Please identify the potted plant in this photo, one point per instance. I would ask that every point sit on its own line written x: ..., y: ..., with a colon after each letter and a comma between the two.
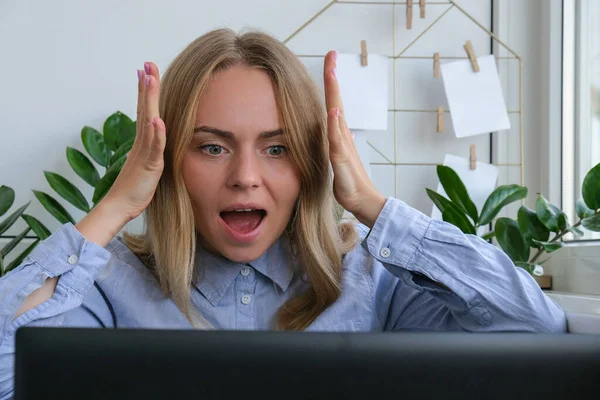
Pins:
x: 533, y: 234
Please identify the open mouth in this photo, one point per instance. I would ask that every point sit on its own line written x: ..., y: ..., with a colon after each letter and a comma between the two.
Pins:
x: 244, y: 220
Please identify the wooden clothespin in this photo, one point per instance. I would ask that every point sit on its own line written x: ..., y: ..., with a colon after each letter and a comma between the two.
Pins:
x: 422, y: 6
x: 471, y: 53
x: 436, y: 65
x: 440, y: 119
x: 364, y: 56
x: 473, y: 157
x: 409, y: 15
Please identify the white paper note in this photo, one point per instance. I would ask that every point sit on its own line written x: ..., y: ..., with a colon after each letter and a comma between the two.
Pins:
x: 480, y: 183
x: 364, y: 91
x: 475, y: 99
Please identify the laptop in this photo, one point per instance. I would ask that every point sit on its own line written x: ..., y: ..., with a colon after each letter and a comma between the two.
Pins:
x: 88, y: 363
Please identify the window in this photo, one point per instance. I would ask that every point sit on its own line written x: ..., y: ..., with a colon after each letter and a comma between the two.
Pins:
x: 581, y: 99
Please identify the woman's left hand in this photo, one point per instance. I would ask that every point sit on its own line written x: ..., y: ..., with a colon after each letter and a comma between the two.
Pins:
x: 352, y: 187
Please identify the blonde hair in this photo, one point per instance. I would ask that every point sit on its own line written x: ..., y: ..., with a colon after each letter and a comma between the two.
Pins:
x: 168, y: 246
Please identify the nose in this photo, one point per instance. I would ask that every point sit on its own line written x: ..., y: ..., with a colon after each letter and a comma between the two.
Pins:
x: 245, y: 171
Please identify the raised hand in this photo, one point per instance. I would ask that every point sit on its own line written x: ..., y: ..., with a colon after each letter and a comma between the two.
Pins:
x: 136, y: 184
x: 352, y: 187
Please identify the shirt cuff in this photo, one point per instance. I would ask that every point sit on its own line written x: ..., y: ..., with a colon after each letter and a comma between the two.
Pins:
x: 66, y: 249
x: 397, y: 233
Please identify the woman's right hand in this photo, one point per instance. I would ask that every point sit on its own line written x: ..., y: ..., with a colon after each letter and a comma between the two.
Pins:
x: 136, y: 184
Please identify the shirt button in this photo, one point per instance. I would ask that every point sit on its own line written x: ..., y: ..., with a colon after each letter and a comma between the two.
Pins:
x: 246, y: 299
x: 245, y: 271
x: 72, y: 259
x: 385, y: 252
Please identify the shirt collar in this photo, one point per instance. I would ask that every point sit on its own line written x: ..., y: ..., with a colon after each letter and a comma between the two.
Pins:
x: 214, y: 274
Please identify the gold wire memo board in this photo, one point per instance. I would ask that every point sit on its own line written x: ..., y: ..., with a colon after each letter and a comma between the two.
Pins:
x: 400, y: 55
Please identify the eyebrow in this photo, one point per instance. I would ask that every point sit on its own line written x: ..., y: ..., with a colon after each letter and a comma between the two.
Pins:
x: 229, y: 135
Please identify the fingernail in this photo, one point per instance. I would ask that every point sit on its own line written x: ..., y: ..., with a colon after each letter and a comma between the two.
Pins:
x: 335, y: 54
x: 353, y: 136
x: 139, y: 72
x: 337, y: 112
x: 147, y: 68
x: 147, y: 80
x: 334, y: 73
x: 154, y: 122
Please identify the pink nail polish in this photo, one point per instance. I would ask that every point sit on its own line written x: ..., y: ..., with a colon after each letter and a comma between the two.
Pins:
x: 147, y: 80
x: 335, y: 54
x: 139, y: 72
x: 334, y: 73
x: 337, y: 112
x: 147, y: 68
x: 154, y: 122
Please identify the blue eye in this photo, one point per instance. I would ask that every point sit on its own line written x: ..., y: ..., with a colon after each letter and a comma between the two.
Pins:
x: 212, y: 149
x: 277, y: 150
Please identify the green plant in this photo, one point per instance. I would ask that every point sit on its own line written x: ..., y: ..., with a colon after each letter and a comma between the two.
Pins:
x: 107, y: 149
x: 7, y: 198
x: 541, y: 231
x: 533, y: 233
x: 460, y: 210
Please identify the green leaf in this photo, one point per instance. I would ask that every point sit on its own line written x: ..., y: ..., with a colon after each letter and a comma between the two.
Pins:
x: 456, y: 190
x: 36, y: 226
x: 7, y: 198
x: 489, y: 235
x: 511, y: 240
x: 525, y: 265
x: 456, y: 216
x: 582, y: 210
x: 440, y: 201
x: 117, y: 166
x: 531, y: 226
x: 67, y: 190
x: 93, y: 142
x: 548, y: 214
x: 563, y: 221
x: 12, y: 218
x: 121, y: 151
x: 13, y: 243
x: 117, y: 127
x: 127, y: 135
x: 590, y: 189
x: 500, y: 197
x: 108, y: 180
x: 575, y: 231
x: 82, y: 166
x: 54, y: 207
x: 19, y: 259
x: 549, y: 247
x: 105, y: 184
x: 592, y: 223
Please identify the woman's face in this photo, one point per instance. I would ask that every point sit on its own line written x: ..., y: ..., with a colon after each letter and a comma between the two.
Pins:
x: 240, y: 177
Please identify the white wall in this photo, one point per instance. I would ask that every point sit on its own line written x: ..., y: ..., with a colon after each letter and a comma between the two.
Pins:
x: 70, y: 63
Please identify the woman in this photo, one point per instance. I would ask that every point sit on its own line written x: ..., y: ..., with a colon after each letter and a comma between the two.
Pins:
x: 233, y: 165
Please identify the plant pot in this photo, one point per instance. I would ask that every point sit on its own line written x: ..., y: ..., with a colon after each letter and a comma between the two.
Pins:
x: 545, y: 281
